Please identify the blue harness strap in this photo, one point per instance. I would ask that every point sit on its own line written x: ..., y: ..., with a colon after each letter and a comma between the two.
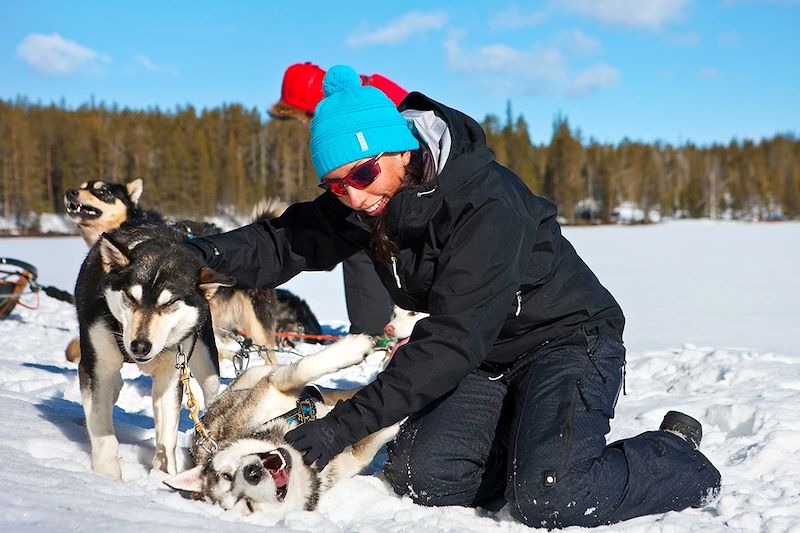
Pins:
x: 306, y: 409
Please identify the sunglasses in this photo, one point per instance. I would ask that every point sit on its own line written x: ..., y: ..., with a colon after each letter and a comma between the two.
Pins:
x: 359, y: 178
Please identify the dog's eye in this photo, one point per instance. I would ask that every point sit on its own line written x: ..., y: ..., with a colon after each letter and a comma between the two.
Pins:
x: 412, y: 313
x: 104, y: 194
x: 227, y: 477
x: 170, y: 302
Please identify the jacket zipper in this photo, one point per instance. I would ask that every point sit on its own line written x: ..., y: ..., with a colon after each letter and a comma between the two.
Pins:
x: 394, y: 271
x: 519, y: 303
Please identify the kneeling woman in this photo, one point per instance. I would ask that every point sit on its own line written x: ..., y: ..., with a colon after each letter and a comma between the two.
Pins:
x: 510, y: 383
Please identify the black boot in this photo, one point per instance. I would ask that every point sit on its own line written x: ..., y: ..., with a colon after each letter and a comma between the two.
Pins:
x: 684, y: 426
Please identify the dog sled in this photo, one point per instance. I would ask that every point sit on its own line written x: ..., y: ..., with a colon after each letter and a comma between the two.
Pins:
x: 17, y: 285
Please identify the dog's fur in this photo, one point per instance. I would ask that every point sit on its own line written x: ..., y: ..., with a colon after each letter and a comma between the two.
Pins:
x: 399, y: 329
x: 101, y: 206
x: 254, y: 467
x: 402, y: 323
x: 140, y: 296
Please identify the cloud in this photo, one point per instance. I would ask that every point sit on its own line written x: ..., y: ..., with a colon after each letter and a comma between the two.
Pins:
x: 398, y: 30
x: 514, y: 19
x: 55, y: 56
x: 709, y: 74
x: 578, y: 43
x: 510, y: 71
x: 649, y: 14
x: 600, y: 76
x: 689, y: 39
x: 733, y: 3
x: 666, y: 73
x: 144, y: 62
x: 728, y: 40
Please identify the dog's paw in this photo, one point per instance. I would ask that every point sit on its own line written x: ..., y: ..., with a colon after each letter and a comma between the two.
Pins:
x: 355, y: 347
x: 109, y: 468
x: 360, y: 343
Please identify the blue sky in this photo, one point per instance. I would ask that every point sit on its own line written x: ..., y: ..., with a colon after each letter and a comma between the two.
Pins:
x: 667, y: 70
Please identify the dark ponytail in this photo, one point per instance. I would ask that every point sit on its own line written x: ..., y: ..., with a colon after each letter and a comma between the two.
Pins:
x: 419, y: 169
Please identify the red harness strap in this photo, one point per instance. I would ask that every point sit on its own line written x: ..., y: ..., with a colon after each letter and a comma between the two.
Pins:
x: 301, y: 336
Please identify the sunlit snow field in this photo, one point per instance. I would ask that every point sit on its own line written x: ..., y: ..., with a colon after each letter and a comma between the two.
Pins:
x: 713, y: 329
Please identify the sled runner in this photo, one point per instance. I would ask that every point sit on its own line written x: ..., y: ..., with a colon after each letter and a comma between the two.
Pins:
x: 17, y: 279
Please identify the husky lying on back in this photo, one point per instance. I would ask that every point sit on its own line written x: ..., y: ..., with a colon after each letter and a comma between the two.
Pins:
x: 101, y: 206
x: 254, y: 468
x: 141, y: 296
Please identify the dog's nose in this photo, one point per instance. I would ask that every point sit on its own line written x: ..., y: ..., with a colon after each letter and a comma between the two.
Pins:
x: 388, y: 330
x: 72, y: 194
x: 140, y: 347
x: 252, y: 473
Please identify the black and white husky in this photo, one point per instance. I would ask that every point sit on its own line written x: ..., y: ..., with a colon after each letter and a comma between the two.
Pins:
x: 254, y: 468
x: 141, y: 297
x: 101, y: 206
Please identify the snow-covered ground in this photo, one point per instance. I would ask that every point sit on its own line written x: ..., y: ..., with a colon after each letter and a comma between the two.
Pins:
x: 713, y: 314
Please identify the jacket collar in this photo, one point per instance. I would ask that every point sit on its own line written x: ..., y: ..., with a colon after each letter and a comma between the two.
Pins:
x: 410, y: 211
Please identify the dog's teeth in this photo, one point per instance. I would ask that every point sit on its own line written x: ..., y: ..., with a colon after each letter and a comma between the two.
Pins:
x: 280, y: 456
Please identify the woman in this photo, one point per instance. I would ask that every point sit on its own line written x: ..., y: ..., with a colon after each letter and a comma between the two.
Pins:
x: 509, y: 385
x: 369, y: 306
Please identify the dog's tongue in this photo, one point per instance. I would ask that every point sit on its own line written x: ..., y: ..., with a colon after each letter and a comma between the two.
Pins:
x: 399, y: 344
x: 280, y: 477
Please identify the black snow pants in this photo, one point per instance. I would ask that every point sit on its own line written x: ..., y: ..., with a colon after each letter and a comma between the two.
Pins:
x: 535, y: 438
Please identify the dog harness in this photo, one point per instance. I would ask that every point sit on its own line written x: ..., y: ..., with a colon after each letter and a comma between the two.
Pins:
x: 204, y: 438
x: 306, y: 408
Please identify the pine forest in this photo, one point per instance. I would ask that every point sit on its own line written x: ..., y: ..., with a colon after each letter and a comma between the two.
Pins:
x: 202, y: 163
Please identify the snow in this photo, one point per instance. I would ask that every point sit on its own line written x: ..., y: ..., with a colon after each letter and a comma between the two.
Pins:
x: 712, y: 329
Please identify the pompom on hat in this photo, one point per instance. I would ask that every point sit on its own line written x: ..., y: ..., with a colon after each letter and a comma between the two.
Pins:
x: 354, y: 122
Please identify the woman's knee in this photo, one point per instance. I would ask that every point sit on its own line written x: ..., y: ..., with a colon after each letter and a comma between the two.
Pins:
x: 581, y: 494
x: 554, y: 507
x: 429, y: 478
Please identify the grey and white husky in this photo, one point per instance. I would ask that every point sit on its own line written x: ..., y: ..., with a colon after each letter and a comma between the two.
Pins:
x: 254, y: 468
x: 141, y: 297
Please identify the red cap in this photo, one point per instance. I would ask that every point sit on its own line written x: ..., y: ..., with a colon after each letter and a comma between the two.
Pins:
x: 302, y: 87
x: 389, y: 88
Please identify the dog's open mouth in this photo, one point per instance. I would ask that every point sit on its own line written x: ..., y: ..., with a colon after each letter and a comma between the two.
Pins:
x: 88, y: 212
x: 279, y: 465
x: 400, y: 343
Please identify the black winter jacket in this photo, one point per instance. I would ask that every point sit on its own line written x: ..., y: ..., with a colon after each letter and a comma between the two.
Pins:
x: 478, y: 251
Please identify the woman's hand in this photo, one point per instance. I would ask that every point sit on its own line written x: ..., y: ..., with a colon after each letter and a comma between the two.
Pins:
x: 318, y: 440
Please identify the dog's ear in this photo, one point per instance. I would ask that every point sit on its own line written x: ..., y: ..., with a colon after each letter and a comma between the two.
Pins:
x: 188, y: 481
x: 113, y: 253
x: 135, y: 190
x: 211, y: 280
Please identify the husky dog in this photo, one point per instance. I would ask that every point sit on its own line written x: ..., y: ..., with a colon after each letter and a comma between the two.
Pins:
x: 402, y: 323
x: 399, y: 328
x: 101, y: 206
x: 254, y: 468
x: 141, y: 297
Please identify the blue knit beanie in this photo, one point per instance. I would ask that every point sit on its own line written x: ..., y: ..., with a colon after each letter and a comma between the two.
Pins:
x: 354, y: 122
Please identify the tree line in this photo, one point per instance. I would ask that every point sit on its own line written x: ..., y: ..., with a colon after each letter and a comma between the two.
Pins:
x: 199, y: 163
